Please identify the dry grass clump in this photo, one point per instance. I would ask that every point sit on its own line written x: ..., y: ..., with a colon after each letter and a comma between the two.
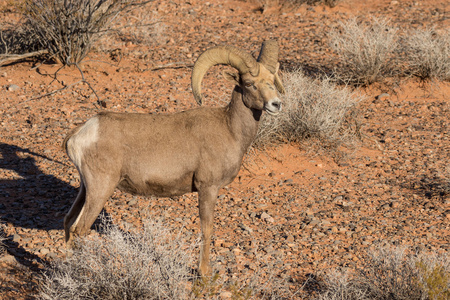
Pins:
x: 392, y: 274
x: 149, y: 264
x: 312, y: 109
x: 427, y: 53
x: 366, y: 51
x: 264, y: 282
x: 69, y: 28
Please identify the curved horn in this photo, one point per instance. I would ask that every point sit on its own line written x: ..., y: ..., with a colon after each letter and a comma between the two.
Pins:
x: 279, y: 84
x: 221, y: 55
x: 268, y: 55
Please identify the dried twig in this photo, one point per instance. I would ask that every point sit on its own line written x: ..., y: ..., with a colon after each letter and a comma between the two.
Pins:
x: 176, y: 65
x: 7, y: 59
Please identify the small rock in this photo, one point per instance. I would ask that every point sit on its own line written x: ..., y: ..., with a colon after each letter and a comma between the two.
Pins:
x: 225, y: 295
x: 266, y: 217
x: 219, y: 242
x: 44, y: 251
x: 13, y: 88
x: 290, y: 238
x: 7, y: 258
x: 245, y: 228
x: 395, y: 204
x: 16, y: 238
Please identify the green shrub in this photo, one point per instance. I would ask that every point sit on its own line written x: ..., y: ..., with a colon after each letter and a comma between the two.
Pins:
x: 434, y: 277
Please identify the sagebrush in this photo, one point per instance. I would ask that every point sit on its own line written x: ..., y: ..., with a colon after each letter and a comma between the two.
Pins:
x: 366, y: 51
x: 427, y: 53
x: 69, y: 28
x: 312, y: 109
x: 392, y: 273
x: 152, y: 263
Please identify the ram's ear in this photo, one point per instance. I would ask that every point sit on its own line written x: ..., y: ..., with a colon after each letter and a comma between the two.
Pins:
x: 232, y: 76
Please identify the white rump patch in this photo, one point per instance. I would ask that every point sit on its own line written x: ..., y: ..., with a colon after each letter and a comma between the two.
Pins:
x: 83, y: 139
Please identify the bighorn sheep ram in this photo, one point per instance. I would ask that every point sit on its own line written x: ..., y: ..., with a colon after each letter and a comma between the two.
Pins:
x: 198, y: 150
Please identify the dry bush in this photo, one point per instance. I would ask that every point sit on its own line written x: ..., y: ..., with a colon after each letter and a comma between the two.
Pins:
x: 392, y: 274
x: 69, y: 28
x: 312, y: 109
x: 366, y: 51
x: 264, y: 282
x: 339, y: 286
x: 17, y: 38
x: 149, y: 264
x: 427, y: 53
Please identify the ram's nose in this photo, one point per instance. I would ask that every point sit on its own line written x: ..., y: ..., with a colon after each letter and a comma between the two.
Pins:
x: 273, y: 107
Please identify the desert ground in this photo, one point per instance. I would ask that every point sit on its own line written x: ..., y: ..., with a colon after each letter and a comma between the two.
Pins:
x: 290, y: 211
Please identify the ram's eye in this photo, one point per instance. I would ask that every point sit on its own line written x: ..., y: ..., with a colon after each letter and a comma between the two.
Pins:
x: 248, y: 84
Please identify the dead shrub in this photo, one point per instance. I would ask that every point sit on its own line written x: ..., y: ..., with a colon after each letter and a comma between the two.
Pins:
x: 390, y: 273
x: 17, y: 38
x: 427, y: 53
x: 264, y: 282
x: 69, y: 28
x: 316, y: 109
x: 366, y: 51
x: 150, y: 264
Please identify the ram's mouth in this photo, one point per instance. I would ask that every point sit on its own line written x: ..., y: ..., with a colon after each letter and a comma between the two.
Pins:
x: 272, y: 112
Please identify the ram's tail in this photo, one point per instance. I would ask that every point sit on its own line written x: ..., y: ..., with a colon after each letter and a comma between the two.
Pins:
x: 69, y: 135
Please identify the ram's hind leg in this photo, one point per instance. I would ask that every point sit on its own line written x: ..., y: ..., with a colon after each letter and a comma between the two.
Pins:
x: 94, y: 192
x: 72, y: 216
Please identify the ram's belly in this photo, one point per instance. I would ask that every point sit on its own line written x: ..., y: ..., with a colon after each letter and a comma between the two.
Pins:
x: 159, y: 187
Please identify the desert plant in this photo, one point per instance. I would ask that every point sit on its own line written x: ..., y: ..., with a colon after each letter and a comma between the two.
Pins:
x: 434, y: 275
x: 366, y: 51
x: 339, y: 286
x: 390, y: 273
x: 261, y: 284
x: 149, y: 264
x: 69, y: 28
x: 427, y: 53
x: 311, y: 109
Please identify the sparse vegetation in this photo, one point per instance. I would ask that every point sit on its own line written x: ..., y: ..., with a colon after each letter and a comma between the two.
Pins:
x: 427, y: 53
x: 366, y: 51
x: 390, y: 273
x: 150, y: 264
x: 312, y: 109
x: 68, y: 29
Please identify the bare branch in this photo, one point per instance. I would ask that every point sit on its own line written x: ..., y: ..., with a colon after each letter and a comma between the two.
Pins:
x: 7, y: 59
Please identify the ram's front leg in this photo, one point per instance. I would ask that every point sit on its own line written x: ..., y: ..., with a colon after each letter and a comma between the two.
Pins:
x: 207, y: 198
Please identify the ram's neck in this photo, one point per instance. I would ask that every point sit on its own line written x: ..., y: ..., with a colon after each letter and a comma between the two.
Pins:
x: 243, y: 121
